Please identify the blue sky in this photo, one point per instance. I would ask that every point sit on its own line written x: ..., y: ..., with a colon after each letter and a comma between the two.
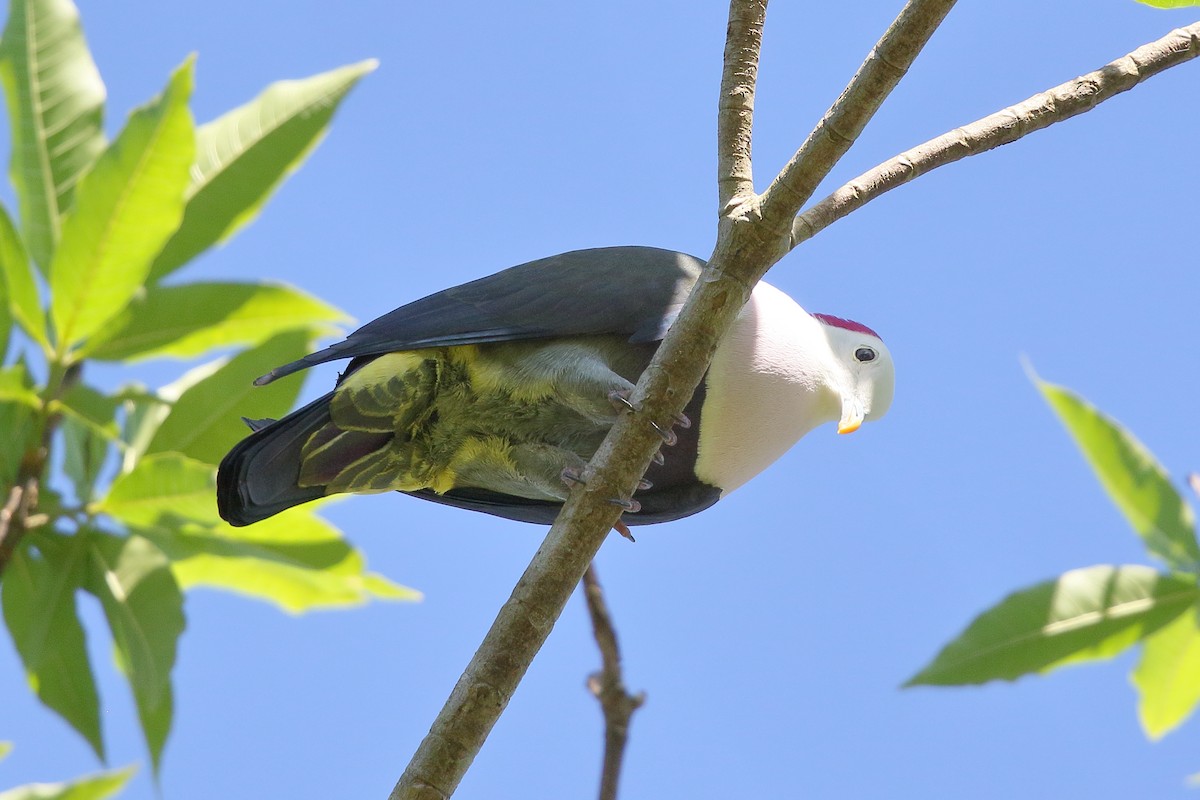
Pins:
x: 771, y: 632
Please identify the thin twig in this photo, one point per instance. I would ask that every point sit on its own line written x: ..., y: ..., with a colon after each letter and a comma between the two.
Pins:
x: 735, y: 110
x: 608, y: 686
x: 14, y: 518
x: 879, y: 74
x: 1040, y: 111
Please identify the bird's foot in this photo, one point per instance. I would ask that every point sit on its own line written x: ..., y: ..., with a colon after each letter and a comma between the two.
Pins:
x: 572, y: 477
x: 620, y: 399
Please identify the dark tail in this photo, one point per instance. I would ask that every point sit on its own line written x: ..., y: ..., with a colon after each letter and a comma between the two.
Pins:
x: 260, y: 476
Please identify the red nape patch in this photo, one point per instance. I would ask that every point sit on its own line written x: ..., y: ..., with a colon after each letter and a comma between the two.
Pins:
x: 848, y: 324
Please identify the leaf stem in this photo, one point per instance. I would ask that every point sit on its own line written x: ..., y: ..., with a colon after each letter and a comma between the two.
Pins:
x: 17, y: 517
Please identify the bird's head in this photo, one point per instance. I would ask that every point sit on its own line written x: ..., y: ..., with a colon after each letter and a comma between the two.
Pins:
x: 860, y: 371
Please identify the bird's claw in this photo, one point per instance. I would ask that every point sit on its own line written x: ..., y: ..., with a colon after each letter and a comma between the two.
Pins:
x: 668, y: 436
x: 620, y: 399
x: 658, y: 458
x: 572, y: 478
x: 630, y: 506
x: 623, y: 529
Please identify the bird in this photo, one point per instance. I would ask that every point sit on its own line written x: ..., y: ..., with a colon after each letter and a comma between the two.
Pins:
x: 493, y: 395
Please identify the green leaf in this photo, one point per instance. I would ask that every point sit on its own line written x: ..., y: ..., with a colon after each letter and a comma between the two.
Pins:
x: 5, y: 749
x: 295, y: 560
x: 242, y: 156
x: 92, y: 408
x: 83, y: 458
x: 16, y: 386
x: 142, y: 412
x: 163, y: 486
x: 126, y: 207
x: 1132, y: 477
x: 17, y: 281
x: 1086, y: 614
x: 88, y: 427
x: 144, y: 607
x: 56, y: 107
x: 19, y: 407
x: 93, y: 787
x: 1170, y: 3
x: 1168, y: 675
x: 6, y: 320
x: 39, y: 607
x: 206, y: 419
x: 185, y: 321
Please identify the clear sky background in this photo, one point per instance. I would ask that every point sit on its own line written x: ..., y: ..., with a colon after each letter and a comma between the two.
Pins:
x: 771, y: 632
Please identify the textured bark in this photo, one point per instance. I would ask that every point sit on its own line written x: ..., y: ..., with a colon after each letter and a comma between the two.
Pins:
x: 735, y: 111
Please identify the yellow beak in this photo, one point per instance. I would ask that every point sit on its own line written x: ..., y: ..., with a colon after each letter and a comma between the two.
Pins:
x: 852, y: 416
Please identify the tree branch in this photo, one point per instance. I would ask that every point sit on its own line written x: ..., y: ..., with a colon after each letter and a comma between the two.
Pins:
x: 743, y: 253
x: 735, y: 111
x: 22, y: 499
x: 879, y: 74
x: 1040, y: 111
x: 747, y: 245
x: 608, y: 686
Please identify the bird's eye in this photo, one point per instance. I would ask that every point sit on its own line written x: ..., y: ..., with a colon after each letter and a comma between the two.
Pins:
x: 864, y: 354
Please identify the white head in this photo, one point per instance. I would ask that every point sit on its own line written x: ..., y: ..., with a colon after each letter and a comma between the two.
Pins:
x: 859, y: 369
x: 779, y: 373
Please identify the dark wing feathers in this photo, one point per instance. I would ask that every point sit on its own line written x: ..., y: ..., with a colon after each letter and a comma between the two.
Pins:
x: 259, y: 477
x: 634, y: 291
x: 679, y: 503
x: 630, y: 291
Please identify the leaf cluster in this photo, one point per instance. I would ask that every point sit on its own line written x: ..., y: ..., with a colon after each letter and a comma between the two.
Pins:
x: 109, y: 493
x: 1096, y: 612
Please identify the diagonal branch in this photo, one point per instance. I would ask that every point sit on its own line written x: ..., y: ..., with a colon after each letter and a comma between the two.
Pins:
x: 743, y: 253
x: 879, y: 74
x: 1040, y: 111
x: 735, y: 111
x: 748, y: 243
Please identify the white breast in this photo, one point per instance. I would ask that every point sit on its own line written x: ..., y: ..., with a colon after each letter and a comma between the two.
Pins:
x: 766, y: 388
